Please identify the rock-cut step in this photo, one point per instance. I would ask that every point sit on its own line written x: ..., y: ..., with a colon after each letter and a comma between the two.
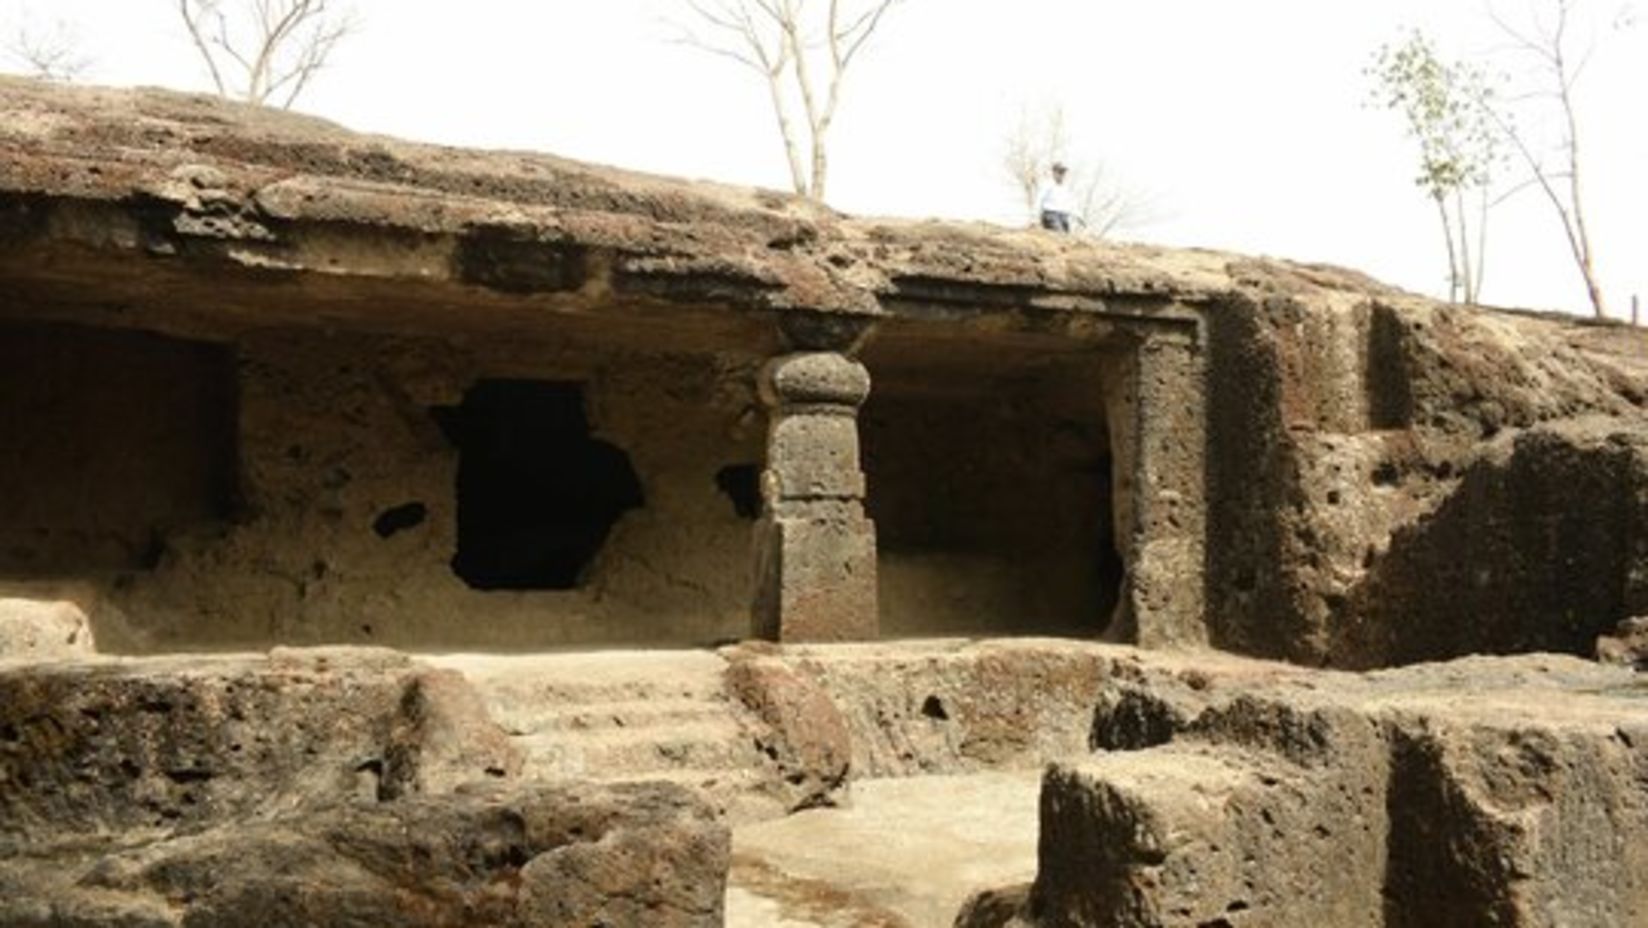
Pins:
x: 621, y: 716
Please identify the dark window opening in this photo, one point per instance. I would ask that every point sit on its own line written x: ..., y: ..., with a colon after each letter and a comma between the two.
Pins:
x: 536, y: 494
x: 742, y: 485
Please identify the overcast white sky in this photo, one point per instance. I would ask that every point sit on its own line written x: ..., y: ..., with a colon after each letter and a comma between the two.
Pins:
x: 1245, y: 118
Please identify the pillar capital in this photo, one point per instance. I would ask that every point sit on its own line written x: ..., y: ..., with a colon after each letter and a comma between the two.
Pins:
x: 814, y: 378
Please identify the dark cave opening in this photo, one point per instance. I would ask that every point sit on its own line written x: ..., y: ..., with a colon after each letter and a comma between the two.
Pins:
x: 741, y: 484
x: 537, y: 495
x: 993, y: 506
x: 114, y: 442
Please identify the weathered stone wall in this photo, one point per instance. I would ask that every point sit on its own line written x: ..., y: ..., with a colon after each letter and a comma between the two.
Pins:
x: 1482, y: 791
x: 346, y: 523
x: 1393, y: 480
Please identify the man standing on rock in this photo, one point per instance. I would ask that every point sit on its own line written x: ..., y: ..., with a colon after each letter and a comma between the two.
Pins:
x: 1055, y: 202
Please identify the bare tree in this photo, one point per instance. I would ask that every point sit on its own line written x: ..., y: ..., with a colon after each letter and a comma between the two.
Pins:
x: 1104, y: 203
x: 52, y: 54
x: 1555, y: 60
x: 1449, y: 111
x: 802, y: 50
x: 264, y: 50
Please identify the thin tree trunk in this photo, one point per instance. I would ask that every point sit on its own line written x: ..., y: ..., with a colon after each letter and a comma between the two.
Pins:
x: 1580, y: 237
x: 201, y: 46
x: 798, y: 176
x: 1481, y: 241
x: 817, y: 123
x: 1467, y: 279
x: 1453, y: 257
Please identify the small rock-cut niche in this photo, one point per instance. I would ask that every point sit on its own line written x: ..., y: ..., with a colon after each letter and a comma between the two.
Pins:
x: 742, y: 485
x: 392, y: 522
x: 537, y: 495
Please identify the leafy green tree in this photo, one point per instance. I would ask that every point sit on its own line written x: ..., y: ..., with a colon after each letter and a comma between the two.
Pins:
x: 1449, y: 111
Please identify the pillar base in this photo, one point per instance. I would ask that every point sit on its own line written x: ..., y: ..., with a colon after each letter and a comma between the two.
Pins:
x: 816, y: 579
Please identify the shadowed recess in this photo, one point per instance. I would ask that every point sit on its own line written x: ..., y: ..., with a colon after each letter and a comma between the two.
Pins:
x: 536, y: 494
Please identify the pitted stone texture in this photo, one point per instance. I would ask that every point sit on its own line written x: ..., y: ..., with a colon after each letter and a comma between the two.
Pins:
x: 816, y: 579
x: 815, y: 551
x: 572, y: 856
x: 181, y: 743
x: 813, y: 457
x: 1381, y: 466
x: 822, y: 377
x: 1518, y: 822
x: 1163, y: 599
x: 1284, y: 820
x: 442, y: 738
x: 1472, y: 793
x: 806, y: 739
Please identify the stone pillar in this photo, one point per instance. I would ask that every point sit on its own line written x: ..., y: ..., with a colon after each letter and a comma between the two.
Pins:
x: 1166, y: 548
x: 815, y: 550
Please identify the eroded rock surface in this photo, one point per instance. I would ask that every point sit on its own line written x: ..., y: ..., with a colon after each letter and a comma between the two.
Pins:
x: 34, y: 628
x: 1383, y: 465
x: 185, y: 742
x: 1470, y: 793
x: 544, y: 856
x: 1184, y: 789
x: 1628, y: 645
x: 341, y: 786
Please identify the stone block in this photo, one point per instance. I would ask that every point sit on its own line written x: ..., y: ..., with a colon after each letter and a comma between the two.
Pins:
x: 814, y: 457
x: 1197, y: 835
x: 805, y: 737
x: 1513, y: 820
x: 1628, y: 645
x: 43, y: 628
x: 816, y: 579
x: 191, y: 742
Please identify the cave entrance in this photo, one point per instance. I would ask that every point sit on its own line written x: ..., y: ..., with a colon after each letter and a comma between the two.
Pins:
x: 537, y: 494
x: 991, y: 494
x: 113, y: 442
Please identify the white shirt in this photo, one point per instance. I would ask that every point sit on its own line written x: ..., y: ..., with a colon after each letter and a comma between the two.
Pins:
x: 1056, y: 198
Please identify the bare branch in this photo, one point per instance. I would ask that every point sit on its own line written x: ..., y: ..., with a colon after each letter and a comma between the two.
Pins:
x: 275, y: 47
x: 1554, y: 67
x: 802, y: 58
x: 860, y: 32
x: 191, y: 13
x: 51, y: 55
x: 1103, y: 202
